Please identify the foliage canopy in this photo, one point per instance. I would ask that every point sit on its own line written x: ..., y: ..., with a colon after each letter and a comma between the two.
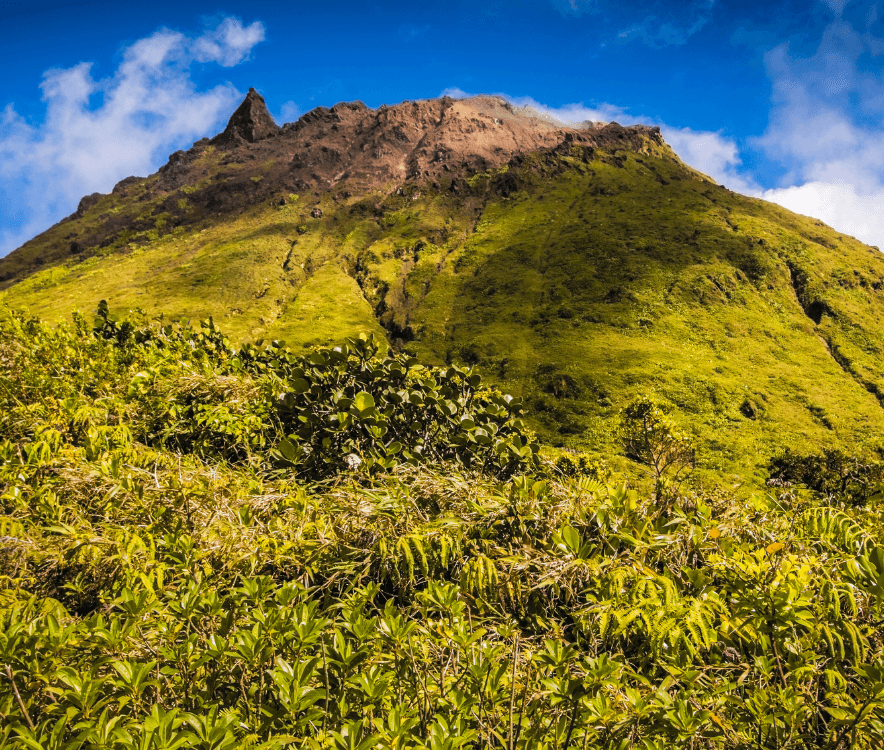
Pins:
x: 166, y: 582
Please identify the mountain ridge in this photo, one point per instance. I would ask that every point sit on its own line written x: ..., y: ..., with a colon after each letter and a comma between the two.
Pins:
x: 414, y: 140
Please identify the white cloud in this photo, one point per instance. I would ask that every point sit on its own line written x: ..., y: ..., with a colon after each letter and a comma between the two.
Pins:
x: 228, y: 44
x: 712, y: 154
x: 96, y: 132
x: 289, y: 112
x: 455, y: 93
x: 826, y: 129
x: 575, y: 114
x: 838, y: 205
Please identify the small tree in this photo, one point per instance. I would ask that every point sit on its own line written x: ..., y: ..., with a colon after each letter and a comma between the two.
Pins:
x: 651, y: 438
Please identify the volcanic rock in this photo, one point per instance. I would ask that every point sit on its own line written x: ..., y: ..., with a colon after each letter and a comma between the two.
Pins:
x: 122, y: 187
x: 252, y: 121
x: 86, y: 202
x: 347, y: 149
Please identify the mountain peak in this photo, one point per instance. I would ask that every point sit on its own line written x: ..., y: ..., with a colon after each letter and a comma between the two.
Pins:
x: 252, y: 120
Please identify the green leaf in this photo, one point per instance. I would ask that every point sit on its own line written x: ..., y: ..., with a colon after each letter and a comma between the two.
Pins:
x: 363, y: 401
x: 299, y: 385
x: 481, y: 436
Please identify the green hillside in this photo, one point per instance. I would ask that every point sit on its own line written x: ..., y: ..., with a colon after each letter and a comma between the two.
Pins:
x: 575, y: 278
x: 175, y: 573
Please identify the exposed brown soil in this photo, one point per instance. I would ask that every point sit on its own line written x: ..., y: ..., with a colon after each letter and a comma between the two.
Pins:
x: 432, y: 141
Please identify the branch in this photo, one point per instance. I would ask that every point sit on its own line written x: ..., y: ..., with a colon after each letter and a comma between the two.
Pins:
x: 21, y: 703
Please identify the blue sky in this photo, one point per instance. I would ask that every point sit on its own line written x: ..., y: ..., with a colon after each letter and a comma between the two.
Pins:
x: 785, y: 101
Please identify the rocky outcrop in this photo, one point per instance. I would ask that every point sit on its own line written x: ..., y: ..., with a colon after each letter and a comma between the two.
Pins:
x: 251, y: 122
x: 122, y: 187
x: 86, y: 202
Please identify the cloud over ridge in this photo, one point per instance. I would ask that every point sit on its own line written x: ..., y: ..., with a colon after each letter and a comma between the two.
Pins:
x: 96, y: 132
x: 827, y: 130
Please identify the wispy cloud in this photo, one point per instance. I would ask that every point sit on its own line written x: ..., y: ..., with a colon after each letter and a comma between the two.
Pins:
x: 575, y: 114
x: 660, y: 32
x: 412, y: 31
x: 229, y: 43
x: 289, y: 112
x: 653, y: 22
x: 569, y: 114
x: 713, y: 154
x: 95, y: 132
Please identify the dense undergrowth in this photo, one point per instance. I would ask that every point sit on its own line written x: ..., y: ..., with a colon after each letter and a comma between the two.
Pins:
x: 186, y: 562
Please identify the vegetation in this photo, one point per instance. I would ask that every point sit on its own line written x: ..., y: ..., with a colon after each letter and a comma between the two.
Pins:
x: 832, y: 473
x: 186, y: 563
x: 597, y: 279
x: 650, y: 437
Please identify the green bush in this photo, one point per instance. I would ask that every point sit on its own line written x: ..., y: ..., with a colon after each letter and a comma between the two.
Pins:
x: 349, y: 402
x: 159, y: 588
x: 189, y: 390
x: 576, y: 465
x: 833, y: 473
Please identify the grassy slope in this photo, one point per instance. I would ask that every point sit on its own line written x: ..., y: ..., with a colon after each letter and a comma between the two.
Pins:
x: 592, y: 283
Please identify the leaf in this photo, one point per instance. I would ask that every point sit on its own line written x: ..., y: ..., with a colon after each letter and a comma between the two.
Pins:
x: 363, y: 401
x: 571, y: 537
x: 772, y: 549
x: 481, y: 436
x: 300, y: 385
x: 290, y: 451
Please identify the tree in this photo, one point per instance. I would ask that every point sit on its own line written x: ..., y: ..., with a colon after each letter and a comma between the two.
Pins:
x: 650, y: 437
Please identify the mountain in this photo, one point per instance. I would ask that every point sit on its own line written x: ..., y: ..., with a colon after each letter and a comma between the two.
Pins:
x: 575, y: 266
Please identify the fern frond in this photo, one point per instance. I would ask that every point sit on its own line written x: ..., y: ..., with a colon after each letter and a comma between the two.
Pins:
x: 700, y: 620
x: 668, y: 635
x: 858, y: 644
x: 835, y: 527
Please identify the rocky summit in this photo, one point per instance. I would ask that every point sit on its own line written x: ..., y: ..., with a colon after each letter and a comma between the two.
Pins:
x: 576, y: 265
x: 250, y: 122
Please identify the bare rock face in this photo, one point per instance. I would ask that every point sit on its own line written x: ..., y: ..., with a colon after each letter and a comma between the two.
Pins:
x: 438, y: 143
x: 252, y: 121
x: 86, y: 202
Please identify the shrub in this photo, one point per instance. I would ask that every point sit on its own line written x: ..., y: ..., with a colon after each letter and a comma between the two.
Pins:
x: 832, y: 472
x: 390, y: 410
x: 312, y: 415
x: 576, y: 465
x: 651, y: 438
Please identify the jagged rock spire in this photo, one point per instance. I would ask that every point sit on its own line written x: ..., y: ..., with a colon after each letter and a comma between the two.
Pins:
x: 251, y: 121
